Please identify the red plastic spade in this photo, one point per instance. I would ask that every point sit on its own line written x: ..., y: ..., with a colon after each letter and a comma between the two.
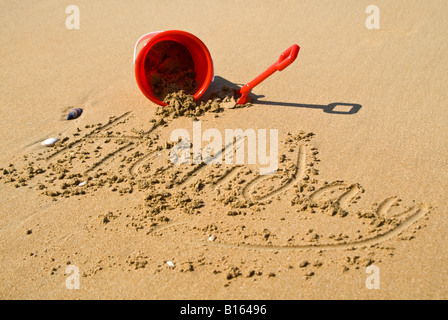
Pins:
x: 286, y: 58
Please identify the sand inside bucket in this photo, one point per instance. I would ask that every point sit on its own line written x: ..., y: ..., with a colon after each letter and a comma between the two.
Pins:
x: 169, y: 68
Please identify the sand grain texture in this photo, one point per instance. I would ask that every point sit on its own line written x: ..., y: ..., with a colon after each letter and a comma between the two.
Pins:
x: 362, y: 173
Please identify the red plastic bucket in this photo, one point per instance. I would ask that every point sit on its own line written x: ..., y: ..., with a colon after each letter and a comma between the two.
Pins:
x: 203, y: 63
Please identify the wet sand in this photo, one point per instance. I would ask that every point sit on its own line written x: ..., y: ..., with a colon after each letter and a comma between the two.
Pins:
x: 362, y: 149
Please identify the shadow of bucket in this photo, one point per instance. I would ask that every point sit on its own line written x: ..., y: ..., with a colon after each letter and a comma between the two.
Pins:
x: 203, y: 63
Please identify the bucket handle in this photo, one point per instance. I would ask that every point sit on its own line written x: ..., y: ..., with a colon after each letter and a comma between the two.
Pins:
x: 143, y: 38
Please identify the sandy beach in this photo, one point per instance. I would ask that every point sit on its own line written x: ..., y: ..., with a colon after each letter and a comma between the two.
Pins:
x: 362, y: 151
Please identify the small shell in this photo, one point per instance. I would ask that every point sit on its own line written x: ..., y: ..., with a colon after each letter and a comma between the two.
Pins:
x: 212, y: 238
x: 74, y: 113
x: 82, y: 184
x: 50, y: 142
x: 170, y: 264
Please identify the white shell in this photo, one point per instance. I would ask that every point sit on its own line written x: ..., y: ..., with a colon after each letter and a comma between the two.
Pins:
x: 50, y: 142
x: 212, y: 238
x: 82, y: 184
x: 170, y: 263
